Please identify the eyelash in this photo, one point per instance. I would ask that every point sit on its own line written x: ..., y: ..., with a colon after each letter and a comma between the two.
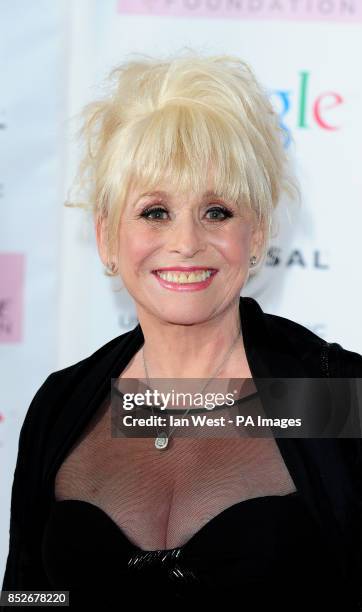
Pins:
x: 149, y: 210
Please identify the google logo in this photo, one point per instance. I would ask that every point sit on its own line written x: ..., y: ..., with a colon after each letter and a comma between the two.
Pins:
x: 317, y: 111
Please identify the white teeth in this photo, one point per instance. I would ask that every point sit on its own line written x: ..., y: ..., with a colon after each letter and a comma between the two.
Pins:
x: 182, y: 277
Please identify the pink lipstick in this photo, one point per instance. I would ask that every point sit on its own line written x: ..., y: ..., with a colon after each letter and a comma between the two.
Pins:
x: 189, y: 286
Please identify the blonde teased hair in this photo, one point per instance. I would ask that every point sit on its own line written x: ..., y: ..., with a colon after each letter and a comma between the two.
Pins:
x: 169, y: 119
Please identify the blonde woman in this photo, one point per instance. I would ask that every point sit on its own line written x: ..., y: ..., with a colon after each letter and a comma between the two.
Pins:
x: 184, y: 165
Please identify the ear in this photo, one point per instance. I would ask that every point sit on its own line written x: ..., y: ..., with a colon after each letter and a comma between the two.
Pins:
x: 100, y: 226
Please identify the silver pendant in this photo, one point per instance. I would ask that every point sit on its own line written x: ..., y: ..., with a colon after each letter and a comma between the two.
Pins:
x: 161, y: 441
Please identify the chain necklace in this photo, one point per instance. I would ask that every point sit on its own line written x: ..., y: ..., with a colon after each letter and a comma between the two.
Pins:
x: 162, y: 439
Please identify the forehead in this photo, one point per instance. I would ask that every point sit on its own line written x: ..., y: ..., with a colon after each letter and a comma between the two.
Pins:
x: 167, y: 190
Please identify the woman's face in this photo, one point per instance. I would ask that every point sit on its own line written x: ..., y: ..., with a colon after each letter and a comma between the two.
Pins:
x: 165, y: 229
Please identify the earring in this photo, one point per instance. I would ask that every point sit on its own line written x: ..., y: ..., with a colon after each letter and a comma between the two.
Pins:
x: 253, y: 260
x: 113, y: 267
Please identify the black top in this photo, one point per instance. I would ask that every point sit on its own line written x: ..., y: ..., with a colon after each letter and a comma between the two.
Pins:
x: 263, y: 551
x: 326, y: 473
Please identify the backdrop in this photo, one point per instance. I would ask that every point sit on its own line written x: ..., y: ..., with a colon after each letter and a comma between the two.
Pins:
x: 56, y: 306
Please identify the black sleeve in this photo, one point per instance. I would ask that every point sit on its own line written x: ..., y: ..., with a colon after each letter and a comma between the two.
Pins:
x: 24, y: 569
x: 349, y: 364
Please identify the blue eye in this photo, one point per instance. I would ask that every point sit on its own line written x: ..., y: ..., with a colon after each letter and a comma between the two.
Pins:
x: 148, y: 211
x: 220, y: 209
x: 216, y: 209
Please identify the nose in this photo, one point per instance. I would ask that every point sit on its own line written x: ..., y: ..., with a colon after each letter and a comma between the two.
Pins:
x: 187, y: 236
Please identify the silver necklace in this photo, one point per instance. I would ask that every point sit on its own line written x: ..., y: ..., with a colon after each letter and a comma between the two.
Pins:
x: 162, y: 439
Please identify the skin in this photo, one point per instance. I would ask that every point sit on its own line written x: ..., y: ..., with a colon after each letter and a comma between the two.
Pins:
x: 201, y: 324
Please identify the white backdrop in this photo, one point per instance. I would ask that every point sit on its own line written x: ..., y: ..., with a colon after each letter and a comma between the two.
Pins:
x: 31, y: 176
x: 56, y: 56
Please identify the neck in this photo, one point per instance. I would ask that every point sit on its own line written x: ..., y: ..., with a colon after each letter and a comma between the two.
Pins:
x: 193, y: 350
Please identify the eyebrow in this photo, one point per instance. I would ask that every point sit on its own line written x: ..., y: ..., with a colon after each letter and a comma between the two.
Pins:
x: 165, y: 193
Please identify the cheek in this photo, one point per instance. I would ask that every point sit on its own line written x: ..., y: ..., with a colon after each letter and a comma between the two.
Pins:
x: 235, y: 245
x: 135, y: 245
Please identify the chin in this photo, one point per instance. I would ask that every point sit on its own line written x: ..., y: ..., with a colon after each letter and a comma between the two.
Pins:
x: 181, y: 318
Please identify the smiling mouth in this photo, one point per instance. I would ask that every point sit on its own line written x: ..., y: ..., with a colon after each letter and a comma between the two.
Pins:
x: 175, y: 276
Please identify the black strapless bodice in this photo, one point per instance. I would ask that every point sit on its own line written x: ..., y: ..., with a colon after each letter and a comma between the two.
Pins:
x: 264, y: 551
